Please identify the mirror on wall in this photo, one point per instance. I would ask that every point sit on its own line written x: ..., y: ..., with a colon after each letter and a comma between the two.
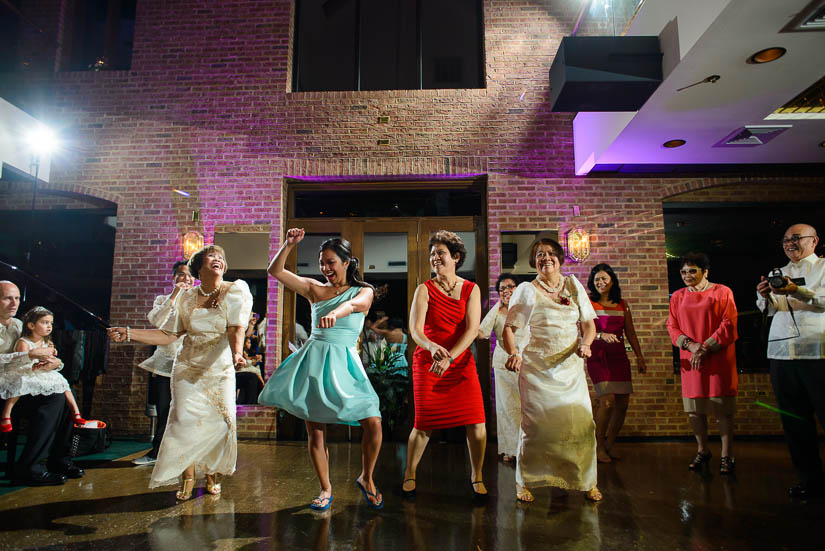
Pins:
x: 247, y: 256
x: 515, y: 249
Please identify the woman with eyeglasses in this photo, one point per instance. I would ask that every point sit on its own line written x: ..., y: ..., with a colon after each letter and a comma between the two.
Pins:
x: 609, y: 366
x: 508, y: 405
x: 702, y: 324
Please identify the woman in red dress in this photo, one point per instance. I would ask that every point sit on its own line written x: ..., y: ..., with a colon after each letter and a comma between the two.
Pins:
x: 444, y: 321
x: 702, y: 324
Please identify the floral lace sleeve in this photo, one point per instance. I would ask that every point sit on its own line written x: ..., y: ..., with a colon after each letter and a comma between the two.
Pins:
x: 521, y: 305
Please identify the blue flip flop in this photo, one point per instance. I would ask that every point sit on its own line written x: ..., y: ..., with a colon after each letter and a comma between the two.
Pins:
x: 321, y: 507
x: 367, y: 495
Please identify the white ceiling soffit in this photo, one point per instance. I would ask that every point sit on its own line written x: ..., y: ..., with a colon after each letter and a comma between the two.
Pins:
x: 708, y: 37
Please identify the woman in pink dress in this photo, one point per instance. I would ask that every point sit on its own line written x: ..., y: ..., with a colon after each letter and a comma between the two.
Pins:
x: 609, y: 366
x: 702, y: 324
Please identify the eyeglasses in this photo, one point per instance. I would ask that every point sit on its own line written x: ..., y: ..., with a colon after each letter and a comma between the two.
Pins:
x: 506, y: 288
x: 794, y: 239
x: 690, y: 271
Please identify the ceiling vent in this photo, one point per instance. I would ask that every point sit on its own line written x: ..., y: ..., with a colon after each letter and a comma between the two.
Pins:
x: 816, y: 20
x: 752, y: 136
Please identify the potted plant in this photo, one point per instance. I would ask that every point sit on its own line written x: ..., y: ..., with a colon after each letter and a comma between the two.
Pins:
x: 390, y: 381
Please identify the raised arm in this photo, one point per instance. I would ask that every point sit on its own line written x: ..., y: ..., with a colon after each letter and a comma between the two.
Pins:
x: 630, y: 333
x: 301, y: 285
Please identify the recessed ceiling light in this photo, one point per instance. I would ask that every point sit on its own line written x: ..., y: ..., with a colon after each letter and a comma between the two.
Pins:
x: 670, y: 144
x: 767, y: 55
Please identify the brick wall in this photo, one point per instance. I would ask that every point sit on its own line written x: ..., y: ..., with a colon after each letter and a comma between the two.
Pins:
x: 206, y: 108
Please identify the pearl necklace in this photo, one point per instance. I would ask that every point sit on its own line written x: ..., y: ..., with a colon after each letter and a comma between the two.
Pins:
x: 549, y: 289
x: 207, y: 295
x: 449, y: 291
x: 705, y: 287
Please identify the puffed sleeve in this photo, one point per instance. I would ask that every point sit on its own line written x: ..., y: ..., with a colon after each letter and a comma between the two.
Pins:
x: 13, y: 360
x: 489, y: 321
x: 238, y: 304
x: 163, y: 308
x: 521, y: 305
x: 725, y: 334
x: 586, y: 311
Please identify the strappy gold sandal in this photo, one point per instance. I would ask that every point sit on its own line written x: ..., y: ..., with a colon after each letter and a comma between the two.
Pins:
x: 523, y: 494
x: 594, y: 494
x: 186, y: 488
x: 212, y: 484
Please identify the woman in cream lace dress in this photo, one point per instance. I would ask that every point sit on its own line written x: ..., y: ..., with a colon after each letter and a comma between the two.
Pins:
x: 201, y: 434
x: 557, y: 442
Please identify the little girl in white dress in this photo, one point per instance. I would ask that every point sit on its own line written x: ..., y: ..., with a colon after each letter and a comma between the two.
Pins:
x: 23, y: 381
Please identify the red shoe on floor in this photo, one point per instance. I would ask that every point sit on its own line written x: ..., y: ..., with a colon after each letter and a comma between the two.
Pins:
x: 78, y: 420
x: 6, y: 426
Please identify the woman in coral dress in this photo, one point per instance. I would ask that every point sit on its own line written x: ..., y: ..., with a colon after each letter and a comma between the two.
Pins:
x: 444, y: 322
x: 702, y: 324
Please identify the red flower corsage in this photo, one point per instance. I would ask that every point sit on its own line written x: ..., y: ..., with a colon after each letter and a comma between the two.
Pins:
x: 564, y: 301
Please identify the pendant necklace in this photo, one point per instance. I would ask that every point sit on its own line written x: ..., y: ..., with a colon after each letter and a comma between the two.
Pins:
x: 444, y: 288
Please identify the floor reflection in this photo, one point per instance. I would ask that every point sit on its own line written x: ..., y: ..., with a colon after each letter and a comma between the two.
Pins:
x: 651, y: 502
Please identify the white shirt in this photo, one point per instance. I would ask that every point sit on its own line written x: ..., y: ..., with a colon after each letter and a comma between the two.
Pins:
x: 808, y: 321
x: 8, y: 337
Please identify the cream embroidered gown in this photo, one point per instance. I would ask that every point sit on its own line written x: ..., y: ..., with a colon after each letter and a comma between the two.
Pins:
x: 508, y: 404
x: 557, y: 444
x: 201, y: 429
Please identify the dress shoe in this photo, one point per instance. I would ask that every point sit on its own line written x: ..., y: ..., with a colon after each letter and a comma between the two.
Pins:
x: 144, y: 460
x: 71, y: 471
x: 45, y: 478
x: 806, y: 490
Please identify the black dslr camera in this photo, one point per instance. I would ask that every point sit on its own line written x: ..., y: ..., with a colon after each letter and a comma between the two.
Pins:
x: 776, y: 279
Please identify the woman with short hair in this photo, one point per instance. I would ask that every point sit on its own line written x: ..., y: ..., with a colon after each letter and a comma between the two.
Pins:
x: 444, y: 323
x: 201, y: 436
x: 557, y: 438
x: 702, y: 325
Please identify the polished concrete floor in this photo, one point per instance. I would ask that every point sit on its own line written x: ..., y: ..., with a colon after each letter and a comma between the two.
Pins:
x: 651, y: 502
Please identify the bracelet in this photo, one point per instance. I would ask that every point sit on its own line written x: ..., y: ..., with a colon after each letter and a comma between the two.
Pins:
x: 512, y: 355
x: 128, y: 336
x: 686, y: 343
x: 599, y: 335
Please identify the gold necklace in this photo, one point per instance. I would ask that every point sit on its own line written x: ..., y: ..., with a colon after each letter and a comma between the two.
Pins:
x: 449, y: 291
x: 549, y: 289
x: 339, y: 290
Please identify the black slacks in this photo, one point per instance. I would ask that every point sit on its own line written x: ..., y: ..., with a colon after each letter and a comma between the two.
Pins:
x: 162, y: 394
x: 799, y: 387
x: 49, y: 434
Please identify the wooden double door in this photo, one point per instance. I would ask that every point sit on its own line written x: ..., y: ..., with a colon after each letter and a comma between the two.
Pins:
x: 394, y: 257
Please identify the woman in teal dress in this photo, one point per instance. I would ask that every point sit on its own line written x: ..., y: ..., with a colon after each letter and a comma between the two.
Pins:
x: 324, y: 381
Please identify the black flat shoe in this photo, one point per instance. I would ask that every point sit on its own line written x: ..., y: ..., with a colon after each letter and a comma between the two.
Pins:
x: 477, y: 496
x: 700, y: 460
x: 71, y: 471
x: 45, y: 478
x: 408, y: 494
x: 805, y: 490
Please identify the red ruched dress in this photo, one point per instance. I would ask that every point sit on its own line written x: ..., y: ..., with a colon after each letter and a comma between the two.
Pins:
x: 454, y: 399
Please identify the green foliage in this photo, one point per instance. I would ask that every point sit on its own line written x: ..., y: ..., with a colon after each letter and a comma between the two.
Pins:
x: 390, y: 382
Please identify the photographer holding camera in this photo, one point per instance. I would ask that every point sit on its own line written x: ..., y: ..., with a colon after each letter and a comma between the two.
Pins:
x: 796, y: 350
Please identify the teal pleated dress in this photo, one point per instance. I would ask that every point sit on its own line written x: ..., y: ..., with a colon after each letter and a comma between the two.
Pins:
x: 324, y: 381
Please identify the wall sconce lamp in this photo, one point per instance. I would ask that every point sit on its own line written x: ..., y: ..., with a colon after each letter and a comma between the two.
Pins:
x: 577, y: 243
x: 192, y: 243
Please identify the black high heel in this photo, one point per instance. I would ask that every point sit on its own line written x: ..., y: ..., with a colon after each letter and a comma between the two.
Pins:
x: 700, y: 460
x: 727, y: 464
